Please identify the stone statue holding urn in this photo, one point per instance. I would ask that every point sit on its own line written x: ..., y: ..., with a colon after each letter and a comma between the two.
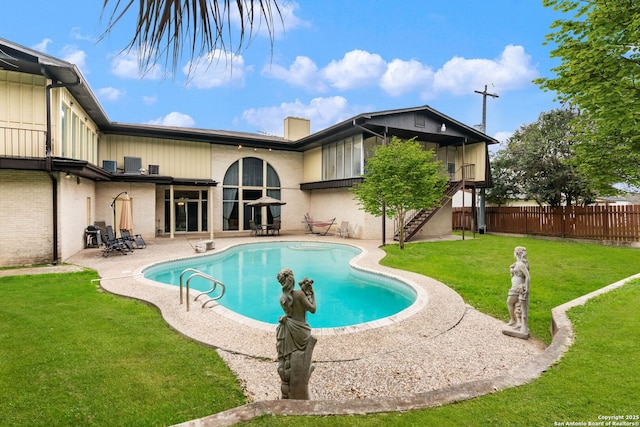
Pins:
x: 294, y: 341
x: 518, y: 296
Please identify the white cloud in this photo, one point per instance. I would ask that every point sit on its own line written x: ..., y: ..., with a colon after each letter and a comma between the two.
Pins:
x: 217, y: 68
x: 322, y: 112
x: 285, y: 21
x: 77, y: 35
x: 75, y: 56
x: 461, y: 76
x: 503, y: 136
x: 127, y: 66
x: 303, y: 73
x: 42, y: 46
x: 110, y: 93
x: 149, y: 100
x: 458, y: 76
x: 405, y: 76
x: 357, y: 68
x: 174, y: 119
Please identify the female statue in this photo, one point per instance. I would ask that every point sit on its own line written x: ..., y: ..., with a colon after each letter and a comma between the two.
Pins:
x: 518, y: 296
x: 294, y: 340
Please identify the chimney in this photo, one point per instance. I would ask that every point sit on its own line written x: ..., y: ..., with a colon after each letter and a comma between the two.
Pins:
x: 296, y: 128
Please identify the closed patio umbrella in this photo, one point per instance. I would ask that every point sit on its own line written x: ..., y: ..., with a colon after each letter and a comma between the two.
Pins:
x: 126, y: 218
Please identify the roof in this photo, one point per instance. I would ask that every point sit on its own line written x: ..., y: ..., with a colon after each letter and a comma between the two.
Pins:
x: 423, y: 122
x: 404, y: 123
x: 14, y: 57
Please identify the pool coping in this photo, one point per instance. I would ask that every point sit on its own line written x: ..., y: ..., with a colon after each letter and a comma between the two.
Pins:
x: 421, y: 296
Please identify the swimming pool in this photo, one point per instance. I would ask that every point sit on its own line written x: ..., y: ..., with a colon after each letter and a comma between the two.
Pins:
x: 344, y: 295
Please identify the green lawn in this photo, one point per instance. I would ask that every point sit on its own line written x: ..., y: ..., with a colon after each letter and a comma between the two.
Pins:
x: 478, y: 269
x: 598, y: 375
x: 71, y: 355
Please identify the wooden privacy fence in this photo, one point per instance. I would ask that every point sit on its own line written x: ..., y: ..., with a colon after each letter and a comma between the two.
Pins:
x: 621, y: 223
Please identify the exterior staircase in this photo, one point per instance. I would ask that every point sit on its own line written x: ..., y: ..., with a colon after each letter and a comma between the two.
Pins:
x: 417, y: 221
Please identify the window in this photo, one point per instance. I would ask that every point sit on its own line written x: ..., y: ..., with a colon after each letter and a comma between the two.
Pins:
x: 245, y: 180
x: 190, y: 210
x: 77, y: 139
x: 342, y: 159
x: 65, y: 119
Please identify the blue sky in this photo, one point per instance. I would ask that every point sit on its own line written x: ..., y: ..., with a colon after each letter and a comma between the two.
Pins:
x: 334, y: 59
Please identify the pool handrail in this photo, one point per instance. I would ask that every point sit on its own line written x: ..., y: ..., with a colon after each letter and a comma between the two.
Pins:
x: 213, y: 288
x: 198, y: 273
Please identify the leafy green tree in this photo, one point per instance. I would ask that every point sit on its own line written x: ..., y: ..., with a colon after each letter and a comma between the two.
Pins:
x: 166, y: 28
x: 598, y: 46
x: 401, y: 176
x: 537, y: 163
x: 504, y: 187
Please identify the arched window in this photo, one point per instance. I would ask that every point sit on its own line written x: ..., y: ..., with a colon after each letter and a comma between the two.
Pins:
x: 248, y: 179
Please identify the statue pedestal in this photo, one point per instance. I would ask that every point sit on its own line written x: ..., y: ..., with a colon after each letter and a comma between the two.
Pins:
x: 507, y: 330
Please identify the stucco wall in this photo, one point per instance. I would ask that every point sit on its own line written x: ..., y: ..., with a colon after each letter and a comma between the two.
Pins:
x: 340, y: 203
x: 439, y: 225
x: 143, y: 206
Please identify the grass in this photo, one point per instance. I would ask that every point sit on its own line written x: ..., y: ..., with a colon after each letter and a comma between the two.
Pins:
x: 597, y: 376
x: 73, y: 356
x: 478, y: 269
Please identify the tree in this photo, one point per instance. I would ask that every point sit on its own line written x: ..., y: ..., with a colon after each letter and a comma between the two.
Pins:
x: 538, y: 163
x: 504, y: 187
x: 166, y: 28
x: 599, y: 50
x: 401, y: 176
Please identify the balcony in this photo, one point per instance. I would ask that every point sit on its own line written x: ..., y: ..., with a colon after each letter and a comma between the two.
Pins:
x: 23, y: 143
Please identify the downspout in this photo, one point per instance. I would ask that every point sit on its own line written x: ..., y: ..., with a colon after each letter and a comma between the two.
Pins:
x: 49, y: 162
x: 384, y: 208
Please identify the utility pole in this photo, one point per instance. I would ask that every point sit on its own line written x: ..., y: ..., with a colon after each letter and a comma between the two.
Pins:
x: 481, y: 216
x: 484, y: 106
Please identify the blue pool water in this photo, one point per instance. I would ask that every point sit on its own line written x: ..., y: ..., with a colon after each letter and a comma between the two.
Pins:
x: 344, y: 296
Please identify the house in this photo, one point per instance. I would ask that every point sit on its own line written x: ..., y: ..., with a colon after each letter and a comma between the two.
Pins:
x: 64, y: 165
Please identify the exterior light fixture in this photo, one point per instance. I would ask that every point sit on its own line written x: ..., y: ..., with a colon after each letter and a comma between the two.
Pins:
x: 67, y: 176
x: 443, y: 128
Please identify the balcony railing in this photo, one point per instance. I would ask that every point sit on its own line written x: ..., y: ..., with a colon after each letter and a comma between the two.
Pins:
x: 15, y: 142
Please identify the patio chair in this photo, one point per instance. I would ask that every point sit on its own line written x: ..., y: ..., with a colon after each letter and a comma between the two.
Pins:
x: 255, y: 230
x: 320, y: 224
x: 274, y: 228
x: 343, y: 231
x: 112, y: 243
x: 136, y: 242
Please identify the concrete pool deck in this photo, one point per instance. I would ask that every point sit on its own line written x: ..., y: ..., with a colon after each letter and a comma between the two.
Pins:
x: 443, y: 345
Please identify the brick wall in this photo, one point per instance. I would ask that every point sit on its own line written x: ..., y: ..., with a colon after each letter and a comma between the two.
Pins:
x: 25, y: 218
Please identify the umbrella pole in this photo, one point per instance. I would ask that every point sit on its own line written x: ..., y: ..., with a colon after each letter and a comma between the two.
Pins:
x: 113, y: 206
